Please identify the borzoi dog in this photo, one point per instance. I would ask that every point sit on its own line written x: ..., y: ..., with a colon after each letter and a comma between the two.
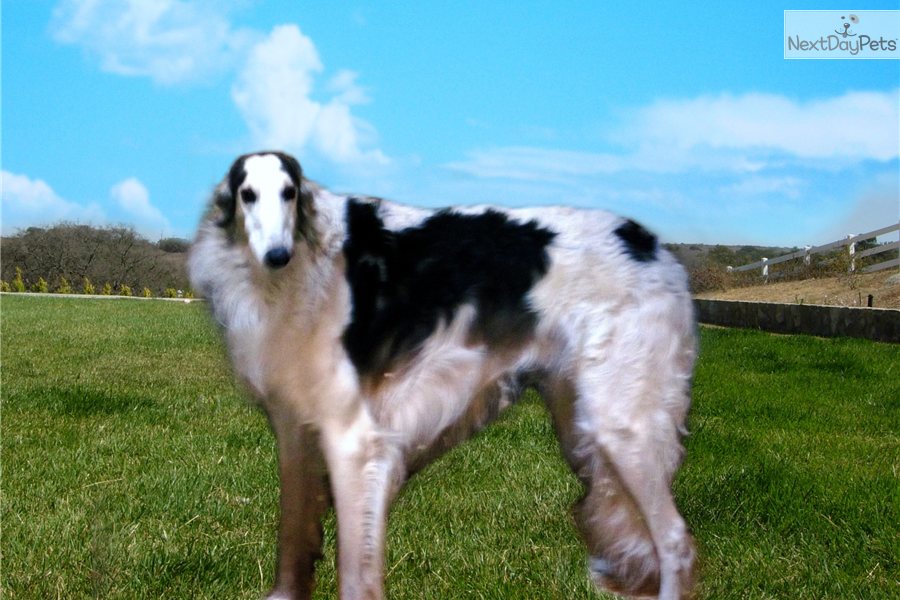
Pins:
x: 377, y: 335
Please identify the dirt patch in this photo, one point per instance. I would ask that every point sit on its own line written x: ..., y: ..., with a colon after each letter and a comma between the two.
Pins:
x: 831, y: 291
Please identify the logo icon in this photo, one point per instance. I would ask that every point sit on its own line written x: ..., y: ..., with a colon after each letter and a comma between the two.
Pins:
x: 846, y: 32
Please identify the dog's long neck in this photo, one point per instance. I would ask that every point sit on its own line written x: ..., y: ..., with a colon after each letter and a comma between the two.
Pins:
x: 249, y: 300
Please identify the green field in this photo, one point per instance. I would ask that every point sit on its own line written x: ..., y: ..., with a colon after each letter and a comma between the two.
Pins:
x: 132, y: 468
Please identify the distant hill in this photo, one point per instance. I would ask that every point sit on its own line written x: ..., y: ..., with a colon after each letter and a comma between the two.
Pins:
x: 698, y: 255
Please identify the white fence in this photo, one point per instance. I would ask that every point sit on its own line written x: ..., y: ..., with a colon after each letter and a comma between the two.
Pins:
x: 850, y: 241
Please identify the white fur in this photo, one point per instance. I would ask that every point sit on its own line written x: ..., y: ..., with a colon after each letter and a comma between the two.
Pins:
x: 614, y: 350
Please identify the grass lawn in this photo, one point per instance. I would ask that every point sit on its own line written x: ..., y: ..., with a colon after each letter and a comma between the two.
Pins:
x: 132, y: 468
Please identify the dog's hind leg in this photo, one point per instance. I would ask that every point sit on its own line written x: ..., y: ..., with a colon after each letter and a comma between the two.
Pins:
x: 366, y: 470
x: 622, y: 554
x: 636, y: 539
x: 634, y: 464
x: 304, y: 501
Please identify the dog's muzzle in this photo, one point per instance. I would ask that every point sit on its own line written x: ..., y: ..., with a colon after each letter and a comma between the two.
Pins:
x: 277, y: 257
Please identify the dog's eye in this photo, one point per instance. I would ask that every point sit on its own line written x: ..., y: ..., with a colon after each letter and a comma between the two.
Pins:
x: 289, y: 193
x: 248, y: 196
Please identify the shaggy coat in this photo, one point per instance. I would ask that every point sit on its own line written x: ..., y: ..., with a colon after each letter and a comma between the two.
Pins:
x: 375, y: 336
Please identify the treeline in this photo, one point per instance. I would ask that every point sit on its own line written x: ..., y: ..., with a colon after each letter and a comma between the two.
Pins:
x: 696, y: 255
x: 81, y: 259
x: 707, y: 266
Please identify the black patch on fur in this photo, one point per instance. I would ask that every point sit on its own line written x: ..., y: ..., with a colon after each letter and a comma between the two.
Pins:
x: 403, y: 283
x: 639, y: 243
x: 237, y: 174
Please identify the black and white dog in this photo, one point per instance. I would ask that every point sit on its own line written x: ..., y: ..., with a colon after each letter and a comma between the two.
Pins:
x: 377, y: 335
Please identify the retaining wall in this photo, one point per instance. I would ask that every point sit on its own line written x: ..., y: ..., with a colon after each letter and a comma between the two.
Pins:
x: 879, y: 324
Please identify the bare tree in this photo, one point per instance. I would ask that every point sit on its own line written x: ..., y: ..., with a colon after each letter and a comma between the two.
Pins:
x: 115, y: 255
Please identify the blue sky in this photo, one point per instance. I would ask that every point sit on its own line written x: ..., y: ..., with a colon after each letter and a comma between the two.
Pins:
x: 689, y: 120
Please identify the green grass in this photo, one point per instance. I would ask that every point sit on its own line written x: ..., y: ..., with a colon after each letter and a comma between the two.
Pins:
x: 132, y: 468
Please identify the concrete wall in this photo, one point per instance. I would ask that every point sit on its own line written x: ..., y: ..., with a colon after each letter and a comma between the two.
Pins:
x: 879, y: 324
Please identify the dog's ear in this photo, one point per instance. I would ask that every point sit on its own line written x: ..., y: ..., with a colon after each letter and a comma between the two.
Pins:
x: 225, y: 194
x: 223, y: 200
x: 292, y: 166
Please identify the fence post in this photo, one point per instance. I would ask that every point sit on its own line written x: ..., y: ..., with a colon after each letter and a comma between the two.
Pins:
x: 852, y: 251
x: 765, y: 269
x: 807, y: 256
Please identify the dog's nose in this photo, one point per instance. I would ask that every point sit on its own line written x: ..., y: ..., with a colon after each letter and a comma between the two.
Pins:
x: 277, y: 257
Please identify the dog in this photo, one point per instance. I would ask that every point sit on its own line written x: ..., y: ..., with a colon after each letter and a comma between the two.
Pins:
x: 377, y: 335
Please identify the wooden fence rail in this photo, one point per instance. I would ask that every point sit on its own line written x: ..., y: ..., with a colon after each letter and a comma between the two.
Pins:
x: 850, y: 241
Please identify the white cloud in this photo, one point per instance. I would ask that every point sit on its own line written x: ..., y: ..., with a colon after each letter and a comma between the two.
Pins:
x: 170, y: 41
x: 272, y: 91
x: 344, y: 85
x: 525, y: 163
x: 132, y: 196
x: 746, y: 134
x: 755, y: 185
x: 274, y: 94
x: 183, y: 41
x: 30, y: 202
x: 536, y: 164
x: 848, y: 128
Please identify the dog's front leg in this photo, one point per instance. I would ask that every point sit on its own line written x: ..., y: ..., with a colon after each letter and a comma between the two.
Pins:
x: 366, y: 470
x: 304, y: 500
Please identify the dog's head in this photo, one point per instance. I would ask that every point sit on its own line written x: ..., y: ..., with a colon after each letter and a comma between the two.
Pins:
x: 264, y: 201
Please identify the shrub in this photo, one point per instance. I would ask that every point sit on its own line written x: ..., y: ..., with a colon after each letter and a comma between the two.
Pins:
x: 87, y: 287
x: 4, y: 287
x: 18, y: 284
x: 125, y: 290
x: 177, y: 245
x: 708, y: 278
x: 146, y: 293
x: 171, y: 293
x: 41, y: 286
x: 107, y: 289
x: 63, y: 287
